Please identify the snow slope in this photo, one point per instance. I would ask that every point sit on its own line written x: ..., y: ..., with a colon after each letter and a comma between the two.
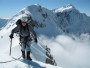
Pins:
x: 21, y: 63
x: 38, y: 53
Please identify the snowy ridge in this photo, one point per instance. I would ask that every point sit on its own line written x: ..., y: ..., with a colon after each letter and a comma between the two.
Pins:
x: 65, y: 9
x: 21, y: 63
x: 71, y: 21
x: 37, y: 54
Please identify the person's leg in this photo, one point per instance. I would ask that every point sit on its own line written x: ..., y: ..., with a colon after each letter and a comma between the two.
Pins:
x: 28, y: 55
x: 23, y: 54
x: 22, y: 47
x: 28, y: 50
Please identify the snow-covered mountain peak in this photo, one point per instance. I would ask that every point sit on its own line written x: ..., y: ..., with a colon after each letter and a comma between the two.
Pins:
x: 30, y: 10
x: 67, y: 8
x: 35, y: 5
x: 32, y: 7
x: 70, y: 5
x: 70, y: 20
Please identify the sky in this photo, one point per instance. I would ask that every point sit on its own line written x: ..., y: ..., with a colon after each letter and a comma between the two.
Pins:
x: 9, y: 8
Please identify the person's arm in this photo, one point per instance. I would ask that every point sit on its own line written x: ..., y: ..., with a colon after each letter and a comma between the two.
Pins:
x: 16, y: 29
x: 31, y: 30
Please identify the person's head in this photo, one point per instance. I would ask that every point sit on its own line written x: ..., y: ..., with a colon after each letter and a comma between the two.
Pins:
x: 24, y: 21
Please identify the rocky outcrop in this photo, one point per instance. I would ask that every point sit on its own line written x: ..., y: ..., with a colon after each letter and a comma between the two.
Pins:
x: 50, y: 59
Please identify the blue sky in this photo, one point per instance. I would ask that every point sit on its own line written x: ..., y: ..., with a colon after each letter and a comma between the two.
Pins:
x: 9, y: 8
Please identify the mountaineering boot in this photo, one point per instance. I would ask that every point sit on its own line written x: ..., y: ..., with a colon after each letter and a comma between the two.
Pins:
x: 23, y: 54
x: 28, y: 55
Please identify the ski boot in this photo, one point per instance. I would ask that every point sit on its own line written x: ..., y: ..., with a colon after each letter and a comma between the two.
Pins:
x: 23, y: 54
x: 28, y: 55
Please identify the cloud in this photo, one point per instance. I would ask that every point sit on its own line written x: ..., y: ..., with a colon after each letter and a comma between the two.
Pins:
x: 69, y: 53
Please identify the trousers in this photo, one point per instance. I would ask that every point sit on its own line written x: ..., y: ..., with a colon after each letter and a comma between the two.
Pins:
x: 25, y: 43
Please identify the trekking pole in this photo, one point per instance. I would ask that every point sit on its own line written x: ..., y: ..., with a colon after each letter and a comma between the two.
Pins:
x: 10, y: 47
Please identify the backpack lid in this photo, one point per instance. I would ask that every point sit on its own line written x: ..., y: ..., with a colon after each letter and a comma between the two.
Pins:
x: 18, y: 22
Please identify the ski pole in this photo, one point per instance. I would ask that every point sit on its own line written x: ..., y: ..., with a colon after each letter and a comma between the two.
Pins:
x: 10, y: 47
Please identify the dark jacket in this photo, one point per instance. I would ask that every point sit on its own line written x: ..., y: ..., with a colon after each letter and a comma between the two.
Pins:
x: 24, y: 31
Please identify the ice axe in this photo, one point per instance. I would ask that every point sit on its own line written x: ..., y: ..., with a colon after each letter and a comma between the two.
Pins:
x: 10, y: 47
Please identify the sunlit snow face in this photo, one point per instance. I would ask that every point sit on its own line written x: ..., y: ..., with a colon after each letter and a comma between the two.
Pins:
x: 23, y: 23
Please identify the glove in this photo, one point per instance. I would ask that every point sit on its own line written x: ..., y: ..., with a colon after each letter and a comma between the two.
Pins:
x: 35, y: 40
x: 11, y: 36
